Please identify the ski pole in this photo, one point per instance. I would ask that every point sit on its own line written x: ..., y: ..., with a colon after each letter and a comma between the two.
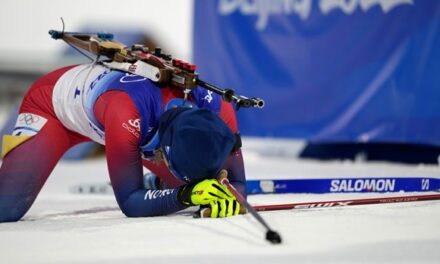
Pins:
x: 271, y: 235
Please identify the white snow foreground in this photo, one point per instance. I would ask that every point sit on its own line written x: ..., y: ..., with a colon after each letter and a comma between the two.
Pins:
x: 64, y: 227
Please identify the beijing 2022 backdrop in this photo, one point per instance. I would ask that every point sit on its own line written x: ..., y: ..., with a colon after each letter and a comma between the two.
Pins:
x: 329, y: 70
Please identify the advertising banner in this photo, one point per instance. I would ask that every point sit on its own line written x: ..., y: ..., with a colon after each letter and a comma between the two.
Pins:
x: 329, y: 70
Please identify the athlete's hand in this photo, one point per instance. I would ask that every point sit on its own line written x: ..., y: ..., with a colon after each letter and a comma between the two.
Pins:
x: 220, y: 208
x: 204, y: 192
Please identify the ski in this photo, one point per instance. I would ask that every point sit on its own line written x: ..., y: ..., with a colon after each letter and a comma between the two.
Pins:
x: 344, y: 185
x: 344, y: 203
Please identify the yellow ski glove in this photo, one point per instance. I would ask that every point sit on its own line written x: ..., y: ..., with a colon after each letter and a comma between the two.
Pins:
x: 203, y: 193
x: 221, y: 208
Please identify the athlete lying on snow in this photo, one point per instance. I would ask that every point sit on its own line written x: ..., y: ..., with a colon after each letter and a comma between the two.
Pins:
x: 141, y: 124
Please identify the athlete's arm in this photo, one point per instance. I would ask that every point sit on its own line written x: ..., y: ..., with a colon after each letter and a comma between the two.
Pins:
x: 234, y: 163
x: 114, y: 110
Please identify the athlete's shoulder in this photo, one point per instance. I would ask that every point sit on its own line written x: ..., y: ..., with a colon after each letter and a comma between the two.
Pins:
x: 207, y: 99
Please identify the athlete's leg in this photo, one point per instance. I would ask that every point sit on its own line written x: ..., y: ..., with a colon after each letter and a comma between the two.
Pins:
x: 27, y: 165
x: 26, y: 168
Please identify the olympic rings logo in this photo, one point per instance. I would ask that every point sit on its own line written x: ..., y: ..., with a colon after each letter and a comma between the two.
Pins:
x: 29, y: 119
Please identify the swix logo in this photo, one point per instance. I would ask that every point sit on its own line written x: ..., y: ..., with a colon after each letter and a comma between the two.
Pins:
x: 135, y: 123
x: 323, y: 205
x: 208, y: 97
x: 154, y: 194
x: 198, y: 192
x: 302, y: 8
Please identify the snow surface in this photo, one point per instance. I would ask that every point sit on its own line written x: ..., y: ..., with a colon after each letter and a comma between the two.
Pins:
x: 63, y: 227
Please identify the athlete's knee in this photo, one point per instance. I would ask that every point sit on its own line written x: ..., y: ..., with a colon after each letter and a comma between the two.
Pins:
x: 10, y: 217
x: 11, y: 212
x: 16, y: 197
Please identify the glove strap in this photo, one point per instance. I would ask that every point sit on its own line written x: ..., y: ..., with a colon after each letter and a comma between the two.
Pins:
x: 184, y: 194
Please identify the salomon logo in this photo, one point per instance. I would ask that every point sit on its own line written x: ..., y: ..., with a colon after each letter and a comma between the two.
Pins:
x: 363, y: 185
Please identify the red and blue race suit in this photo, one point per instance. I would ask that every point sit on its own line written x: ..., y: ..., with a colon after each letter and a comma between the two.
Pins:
x: 90, y: 102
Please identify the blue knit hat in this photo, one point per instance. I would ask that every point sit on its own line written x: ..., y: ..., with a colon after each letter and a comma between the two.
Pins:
x: 196, y: 142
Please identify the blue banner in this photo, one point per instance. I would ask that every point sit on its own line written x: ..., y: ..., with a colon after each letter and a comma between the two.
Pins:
x: 329, y: 70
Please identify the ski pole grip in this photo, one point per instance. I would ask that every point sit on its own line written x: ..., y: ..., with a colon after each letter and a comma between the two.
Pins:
x: 222, y: 175
x: 222, y: 178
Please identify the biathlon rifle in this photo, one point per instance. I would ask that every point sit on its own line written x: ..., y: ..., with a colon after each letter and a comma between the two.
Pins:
x: 154, y: 65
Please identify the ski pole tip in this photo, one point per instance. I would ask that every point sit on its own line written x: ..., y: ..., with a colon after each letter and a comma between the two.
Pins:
x: 273, y: 237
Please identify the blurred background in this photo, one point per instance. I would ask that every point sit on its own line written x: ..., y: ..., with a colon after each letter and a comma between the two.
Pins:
x: 353, y: 79
x: 27, y: 51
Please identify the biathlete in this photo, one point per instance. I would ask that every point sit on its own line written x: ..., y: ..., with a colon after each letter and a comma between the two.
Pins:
x: 184, y: 144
